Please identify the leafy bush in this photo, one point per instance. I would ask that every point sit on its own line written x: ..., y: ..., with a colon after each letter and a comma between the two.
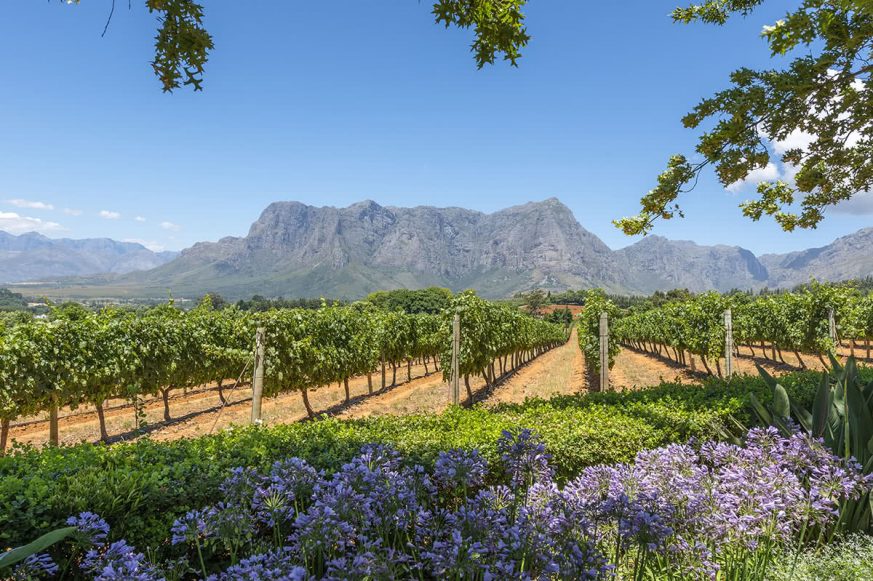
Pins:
x: 141, y: 487
x: 707, y: 511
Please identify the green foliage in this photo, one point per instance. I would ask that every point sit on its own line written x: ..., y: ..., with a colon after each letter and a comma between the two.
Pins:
x: 499, y: 26
x: 534, y: 301
x: 562, y: 316
x: 18, y: 554
x: 431, y: 300
x: 490, y: 331
x: 796, y: 321
x: 841, y: 414
x: 259, y: 303
x: 824, y: 94
x: 183, y: 45
x: 10, y: 301
x: 849, y: 559
x: 596, y: 302
x: 141, y: 487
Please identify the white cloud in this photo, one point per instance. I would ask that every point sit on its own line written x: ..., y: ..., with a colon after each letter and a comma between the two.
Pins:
x: 16, y: 224
x: 797, y: 139
x: 859, y: 204
x: 109, y: 215
x: 29, y: 204
x: 72, y: 212
x: 150, y: 244
x: 139, y: 219
x: 170, y: 226
x: 762, y: 174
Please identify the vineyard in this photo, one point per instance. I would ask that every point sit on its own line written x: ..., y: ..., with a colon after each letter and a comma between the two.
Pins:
x: 86, y: 359
x: 817, y: 320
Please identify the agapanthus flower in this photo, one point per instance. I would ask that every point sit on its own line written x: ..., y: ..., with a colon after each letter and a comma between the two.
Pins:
x: 460, y: 470
x: 37, y: 566
x: 272, y: 566
x: 525, y: 460
x: 119, y: 562
x: 91, y: 526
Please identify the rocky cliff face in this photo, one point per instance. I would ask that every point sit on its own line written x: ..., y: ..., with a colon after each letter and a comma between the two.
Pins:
x: 656, y: 263
x: 299, y: 250
x: 33, y: 256
x: 847, y: 257
x: 354, y: 250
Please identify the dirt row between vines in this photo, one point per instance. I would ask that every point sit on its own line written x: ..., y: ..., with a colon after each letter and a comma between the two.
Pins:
x: 198, y: 412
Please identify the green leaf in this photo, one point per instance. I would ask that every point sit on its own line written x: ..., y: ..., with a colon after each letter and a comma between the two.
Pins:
x: 821, y: 407
x: 860, y: 423
x: 16, y: 555
x: 762, y: 413
x: 781, y: 402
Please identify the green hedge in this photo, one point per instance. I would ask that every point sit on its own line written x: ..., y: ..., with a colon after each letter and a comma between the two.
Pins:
x: 141, y: 487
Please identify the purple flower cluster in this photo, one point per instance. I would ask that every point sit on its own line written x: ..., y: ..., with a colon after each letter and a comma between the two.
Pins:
x: 35, y: 567
x: 106, y: 561
x: 681, y: 511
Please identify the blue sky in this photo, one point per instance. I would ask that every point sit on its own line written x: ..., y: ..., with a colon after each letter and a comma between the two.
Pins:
x: 337, y: 101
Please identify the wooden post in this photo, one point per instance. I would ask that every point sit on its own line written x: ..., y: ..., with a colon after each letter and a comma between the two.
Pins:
x: 456, y: 353
x: 604, y: 351
x: 258, y: 379
x: 728, y: 344
x: 54, y: 438
x: 832, y: 328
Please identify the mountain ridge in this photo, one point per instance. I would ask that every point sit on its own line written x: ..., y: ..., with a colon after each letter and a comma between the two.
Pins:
x: 33, y: 256
x: 295, y: 249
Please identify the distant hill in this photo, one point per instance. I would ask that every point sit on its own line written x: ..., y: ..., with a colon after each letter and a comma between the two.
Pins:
x: 298, y: 250
x: 33, y: 256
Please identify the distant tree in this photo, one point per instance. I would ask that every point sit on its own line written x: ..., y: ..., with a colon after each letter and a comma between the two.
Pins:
x: 10, y: 301
x: 534, y: 301
x: 260, y: 303
x: 217, y: 301
x: 819, y: 108
x: 182, y: 44
x: 431, y: 300
x: 562, y: 316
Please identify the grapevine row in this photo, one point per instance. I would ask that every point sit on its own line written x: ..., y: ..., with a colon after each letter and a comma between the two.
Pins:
x: 88, y: 358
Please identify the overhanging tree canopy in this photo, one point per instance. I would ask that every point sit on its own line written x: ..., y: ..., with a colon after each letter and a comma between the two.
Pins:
x: 183, y: 44
x: 818, y: 109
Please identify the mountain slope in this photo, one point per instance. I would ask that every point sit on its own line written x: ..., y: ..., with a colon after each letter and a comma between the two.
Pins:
x: 295, y: 249
x: 298, y: 250
x: 656, y: 263
x: 847, y: 257
x: 32, y: 256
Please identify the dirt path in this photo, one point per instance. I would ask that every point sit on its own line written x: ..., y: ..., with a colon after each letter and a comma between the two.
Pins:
x: 561, y: 371
x: 199, y: 411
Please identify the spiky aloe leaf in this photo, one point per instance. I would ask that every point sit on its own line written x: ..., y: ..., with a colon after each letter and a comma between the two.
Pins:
x: 860, y: 423
x: 822, y: 408
x: 804, y: 418
x: 781, y: 402
x: 759, y: 409
x: 768, y: 379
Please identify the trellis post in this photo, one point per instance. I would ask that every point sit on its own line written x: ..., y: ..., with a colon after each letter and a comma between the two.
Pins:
x: 832, y: 327
x: 258, y: 377
x: 604, y: 351
x: 728, y: 344
x: 456, y: 354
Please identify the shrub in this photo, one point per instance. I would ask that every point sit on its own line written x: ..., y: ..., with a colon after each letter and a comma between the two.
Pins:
x: 713, y: 510
x: 141, y: 487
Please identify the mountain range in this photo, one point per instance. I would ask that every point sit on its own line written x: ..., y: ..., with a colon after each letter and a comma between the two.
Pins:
x: 295, y: 249
x: 32, y: 256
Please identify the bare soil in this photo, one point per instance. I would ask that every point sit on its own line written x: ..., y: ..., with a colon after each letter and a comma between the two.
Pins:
x: 560, y: 371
